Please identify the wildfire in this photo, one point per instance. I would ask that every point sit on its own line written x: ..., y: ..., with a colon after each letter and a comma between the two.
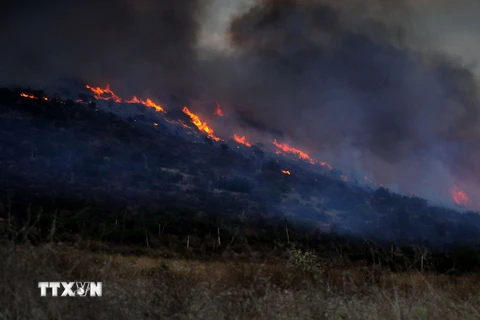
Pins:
x: 31, y: 96
x: 242, y: 140
x: 459, y: 196
x: 108, y: 94
x: 202, y: 126
x: 286, y: 172
x: 287, y: 148
x: 134, y: 100
x: 218, y: 111
x: 151, y: 104
x: 300, y: 154
x: 104, y: 94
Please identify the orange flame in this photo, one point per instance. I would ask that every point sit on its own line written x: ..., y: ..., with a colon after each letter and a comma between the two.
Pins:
x: 218, y: 111
x: 151, y: 104
x: 108, y: 94
x: 287, y: 148
x: 134, y: 100
x: 202, y: 126
x: 286, y: 172
x: 300, y: 154
x: 31, y: 96
x: 459, y: 196
x: 104, y: 94
x: 242, y: 140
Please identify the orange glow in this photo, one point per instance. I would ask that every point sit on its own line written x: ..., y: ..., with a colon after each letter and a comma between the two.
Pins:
x: 151, y: 104
x: 31, y: 96
x: 286, y: 172
x: 242, y: 140
x: 108, y: 94
x: 218, y: 111
x: 134, y: 100
x: 459, y: 196
x: 202, y: 126
x: 178, y: 123
x: 287, y: 148
x: 104, y: 94
x: 344, y: 178
x: 300, y: 154
x: 324, y: 164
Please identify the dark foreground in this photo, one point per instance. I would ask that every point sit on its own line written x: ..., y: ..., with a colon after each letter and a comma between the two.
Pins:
x: 295, y: 285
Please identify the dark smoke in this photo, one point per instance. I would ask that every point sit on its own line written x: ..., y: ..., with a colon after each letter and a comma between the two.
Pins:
x: 349, y: 82
x: 133, y: 44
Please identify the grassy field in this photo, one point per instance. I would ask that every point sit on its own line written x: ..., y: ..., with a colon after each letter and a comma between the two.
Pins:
x: 149, y: 286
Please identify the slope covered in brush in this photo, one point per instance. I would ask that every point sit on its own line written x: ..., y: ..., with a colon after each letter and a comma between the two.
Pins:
x: 65, y: 156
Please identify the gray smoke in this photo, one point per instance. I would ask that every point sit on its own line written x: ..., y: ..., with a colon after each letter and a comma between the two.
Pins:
x: 349, y: 84
x: 131, y: 43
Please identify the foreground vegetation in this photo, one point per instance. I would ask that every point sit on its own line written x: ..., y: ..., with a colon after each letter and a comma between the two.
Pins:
x: 294, y: 286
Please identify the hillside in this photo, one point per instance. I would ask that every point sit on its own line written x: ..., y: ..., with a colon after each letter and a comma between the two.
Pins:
x: 87, y: 165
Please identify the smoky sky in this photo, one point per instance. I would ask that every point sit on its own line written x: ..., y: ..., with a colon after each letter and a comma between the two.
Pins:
x: 137, y: 43
x: 346, y: 80
x: 331, y: 76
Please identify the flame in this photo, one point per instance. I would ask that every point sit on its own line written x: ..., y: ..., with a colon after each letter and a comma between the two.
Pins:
x: 287, y: 148
x: 242, y: 140
x: 134, y: 100
x: 108, y: 94
x: 104, y: 94
x: 218, y: 111
x: 31, y: 96
x: 459, y: 196
x: 151, y: 104
x: 202, y: 126
x: 286, y: 172
x: 300, y: 154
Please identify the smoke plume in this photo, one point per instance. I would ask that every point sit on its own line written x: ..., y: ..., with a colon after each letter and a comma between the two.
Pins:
x: 349, y: 84
x: 134, y: 44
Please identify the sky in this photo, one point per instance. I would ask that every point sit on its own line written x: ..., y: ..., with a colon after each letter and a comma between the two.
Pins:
x: 449, y: 26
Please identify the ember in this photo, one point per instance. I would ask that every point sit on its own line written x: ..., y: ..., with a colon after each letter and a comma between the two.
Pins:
x: 218, y: 111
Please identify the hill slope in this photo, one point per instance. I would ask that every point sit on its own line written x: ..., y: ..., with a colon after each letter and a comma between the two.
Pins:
x: 59, y: 155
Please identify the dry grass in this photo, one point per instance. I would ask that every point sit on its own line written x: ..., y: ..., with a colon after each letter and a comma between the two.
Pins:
x: 155, y: 288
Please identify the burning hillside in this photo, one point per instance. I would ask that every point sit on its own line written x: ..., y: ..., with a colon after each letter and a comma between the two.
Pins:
x: 459, y: 196
x: 90, y: 150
